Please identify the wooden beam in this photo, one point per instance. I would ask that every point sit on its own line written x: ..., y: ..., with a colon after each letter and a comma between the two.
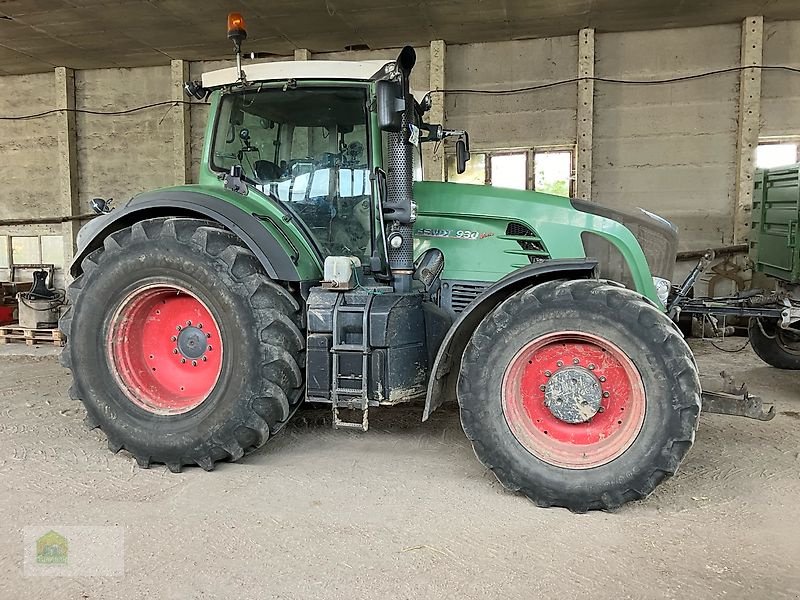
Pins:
x: 68, y: 201
x: 302, y: 54
x: 433, y: 161
x: 585, y: 115
x: 748, y: 127
x: 181, y: 132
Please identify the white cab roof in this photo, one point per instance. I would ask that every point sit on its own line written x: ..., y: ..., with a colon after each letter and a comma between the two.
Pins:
x: 296, y: 69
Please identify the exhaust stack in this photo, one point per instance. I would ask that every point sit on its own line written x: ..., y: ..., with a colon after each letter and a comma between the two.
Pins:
x: 399, y: 208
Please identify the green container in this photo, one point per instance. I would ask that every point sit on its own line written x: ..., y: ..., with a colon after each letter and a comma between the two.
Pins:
x: 776, y: 212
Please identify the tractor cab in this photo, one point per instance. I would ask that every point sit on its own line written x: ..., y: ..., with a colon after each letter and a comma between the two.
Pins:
x: 308, y: 148
x: 308, y: 134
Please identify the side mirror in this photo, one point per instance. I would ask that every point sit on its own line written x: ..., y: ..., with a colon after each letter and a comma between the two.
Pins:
x: 462, y: 155
x: 390, y: 105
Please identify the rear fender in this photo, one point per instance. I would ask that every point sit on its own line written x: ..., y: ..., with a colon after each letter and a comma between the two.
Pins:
x: 277, y: 262
x: 444, y: 372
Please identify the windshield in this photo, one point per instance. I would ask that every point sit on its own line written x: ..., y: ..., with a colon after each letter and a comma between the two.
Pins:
x: 306, y: 147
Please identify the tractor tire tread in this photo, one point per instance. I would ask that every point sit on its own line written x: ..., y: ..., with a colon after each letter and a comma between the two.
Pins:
x: 661, y: 331
x: 282, y: 343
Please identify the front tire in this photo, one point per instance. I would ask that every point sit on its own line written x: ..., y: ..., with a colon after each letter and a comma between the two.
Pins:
x: 579, y: 394
x: 181, y: 348
x: 775, y: 346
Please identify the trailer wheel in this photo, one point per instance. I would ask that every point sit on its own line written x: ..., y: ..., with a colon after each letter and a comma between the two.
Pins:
x: 775, y: 346
x: 579, y: 394
x: 181, y: 348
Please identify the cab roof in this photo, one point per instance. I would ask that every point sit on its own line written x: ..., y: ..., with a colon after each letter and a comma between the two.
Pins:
x: 297, y: 69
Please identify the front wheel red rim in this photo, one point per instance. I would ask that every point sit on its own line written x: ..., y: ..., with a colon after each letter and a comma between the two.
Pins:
x: 573, y: 399
x: 165, y: 349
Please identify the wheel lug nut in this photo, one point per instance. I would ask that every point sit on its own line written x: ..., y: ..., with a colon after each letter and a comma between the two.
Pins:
x: 174, y: 350
x: 543, y: 387
x: 606, y: 394
x: 204, y: 359
x: 600, y: 409
x: 194, y: 363
x: 560, y: 363
x: 174, y: 338
x: 199, y: 325
x: 188, y: 323
x: 547, y: 373
x: 208, y: 335
x: 210, y: 348
x: 575, y: 361
x: 183, y: 360
x: 602, y: 379
x: 179, y: 328
x: 592, y: 367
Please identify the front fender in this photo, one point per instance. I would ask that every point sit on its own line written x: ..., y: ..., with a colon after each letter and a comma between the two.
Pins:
x: 281, y: 258
x: 443, y: 378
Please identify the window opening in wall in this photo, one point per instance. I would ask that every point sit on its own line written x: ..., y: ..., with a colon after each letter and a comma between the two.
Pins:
x: 550, y: 170
x: 553, y: 172
x: 509, y: 170
x: 475, y: 172
x: 777, y: 153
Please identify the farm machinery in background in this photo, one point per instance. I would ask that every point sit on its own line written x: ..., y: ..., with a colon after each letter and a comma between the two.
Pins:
x: 773, y: 315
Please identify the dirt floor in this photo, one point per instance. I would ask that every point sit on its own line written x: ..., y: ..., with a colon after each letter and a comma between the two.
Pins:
x: 404, y: 511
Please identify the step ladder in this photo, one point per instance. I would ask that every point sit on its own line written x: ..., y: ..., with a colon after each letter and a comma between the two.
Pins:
x: 353, y: 397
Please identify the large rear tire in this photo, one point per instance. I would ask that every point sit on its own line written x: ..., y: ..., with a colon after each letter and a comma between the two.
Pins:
x: 181, y: 348
x: 775, y: 346
x: 579, y: 394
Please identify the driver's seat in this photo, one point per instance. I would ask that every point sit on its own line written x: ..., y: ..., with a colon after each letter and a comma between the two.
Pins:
x: 267, y: 171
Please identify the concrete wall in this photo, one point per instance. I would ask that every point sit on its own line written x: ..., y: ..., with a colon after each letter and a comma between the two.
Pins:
x: 28, y: 149
x: 545, y: 117
x: 780, y: 92
x: 671, y: 148
x: 122, y: 155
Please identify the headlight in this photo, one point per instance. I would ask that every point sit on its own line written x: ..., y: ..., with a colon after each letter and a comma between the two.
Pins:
x: 662, y: 288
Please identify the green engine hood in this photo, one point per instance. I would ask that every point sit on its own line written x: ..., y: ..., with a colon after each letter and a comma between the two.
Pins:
x: 470, y: 224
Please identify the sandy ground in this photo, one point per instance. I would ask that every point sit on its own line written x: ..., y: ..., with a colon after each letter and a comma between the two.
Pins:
x: 404, y: 511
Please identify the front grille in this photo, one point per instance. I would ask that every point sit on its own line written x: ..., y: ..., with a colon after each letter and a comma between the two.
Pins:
x: 531, y: 245
x: 457, y: 295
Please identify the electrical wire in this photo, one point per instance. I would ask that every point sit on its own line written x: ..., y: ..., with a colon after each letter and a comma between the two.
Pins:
x: 456, y: 91
x: 678, y: 79
x: 86, y: 111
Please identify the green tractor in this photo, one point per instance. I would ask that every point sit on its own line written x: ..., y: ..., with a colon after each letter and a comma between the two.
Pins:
x: 311, y: 264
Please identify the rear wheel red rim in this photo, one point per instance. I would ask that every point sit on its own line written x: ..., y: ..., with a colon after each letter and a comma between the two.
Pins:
x: 594, y: 379
x: 165, y: 349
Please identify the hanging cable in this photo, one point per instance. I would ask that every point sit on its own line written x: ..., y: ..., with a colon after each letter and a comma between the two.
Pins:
x: 457, y: 91
x: 86, y: 111
x: 678, y: 79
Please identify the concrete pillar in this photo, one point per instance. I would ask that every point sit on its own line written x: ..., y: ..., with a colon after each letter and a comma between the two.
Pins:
x: 181, y: 140
x: 748, y: 127
x: 68, y: 202
x: 433, y: 162
x: 302, y: 54
x: 585, y: 115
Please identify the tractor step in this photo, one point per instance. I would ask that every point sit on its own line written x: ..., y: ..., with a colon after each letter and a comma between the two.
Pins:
x: 349, y: 384
x: 339, y: 423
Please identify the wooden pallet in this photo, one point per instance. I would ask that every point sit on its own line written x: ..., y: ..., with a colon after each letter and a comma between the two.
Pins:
x: 32, y: 337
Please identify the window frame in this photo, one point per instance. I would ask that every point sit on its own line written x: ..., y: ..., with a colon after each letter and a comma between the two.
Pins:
x: 775, y: 140
x: 530, y: 162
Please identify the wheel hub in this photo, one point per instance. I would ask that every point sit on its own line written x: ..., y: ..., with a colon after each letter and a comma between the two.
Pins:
x: 192, y: 342
x: 573, y: 395
x: 573, y: 399
x: 165, y: 349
